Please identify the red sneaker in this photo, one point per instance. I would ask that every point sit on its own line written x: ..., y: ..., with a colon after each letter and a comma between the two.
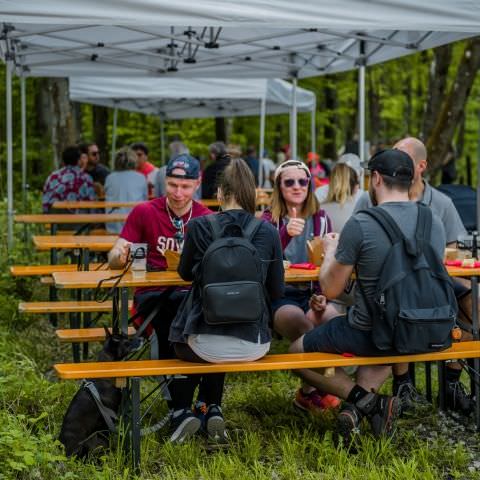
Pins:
x: 315, y: 402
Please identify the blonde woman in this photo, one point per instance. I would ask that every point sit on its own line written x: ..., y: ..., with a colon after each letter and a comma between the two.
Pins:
x: 296, y: 213
x: 342, y: 195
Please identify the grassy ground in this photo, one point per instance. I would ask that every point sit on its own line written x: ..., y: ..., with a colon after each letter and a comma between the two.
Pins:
x: 270, y: 440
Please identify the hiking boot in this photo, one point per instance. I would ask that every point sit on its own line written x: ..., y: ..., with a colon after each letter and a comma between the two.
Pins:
x: 381, y: 411
x: 215, y: 425
x: 315, y: 402
x: 348, y: 426
x: 183, y: 425
x: 408, y: 396
x: 457, y: 399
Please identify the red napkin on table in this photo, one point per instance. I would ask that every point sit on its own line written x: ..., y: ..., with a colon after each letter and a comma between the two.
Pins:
x: 303, y: 266
x: 458, y: 263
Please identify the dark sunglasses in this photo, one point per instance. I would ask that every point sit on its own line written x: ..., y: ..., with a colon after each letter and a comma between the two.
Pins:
x: 94, y: 153
x: 178, y: 224
x: 290, y: 182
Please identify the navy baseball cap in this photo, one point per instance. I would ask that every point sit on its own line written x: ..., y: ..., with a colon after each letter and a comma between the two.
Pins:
x: 185, y: 162
x: 393, y: 163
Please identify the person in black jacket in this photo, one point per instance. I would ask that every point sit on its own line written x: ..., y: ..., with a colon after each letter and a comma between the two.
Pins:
x: 196, y: 341
x: 218, y: 153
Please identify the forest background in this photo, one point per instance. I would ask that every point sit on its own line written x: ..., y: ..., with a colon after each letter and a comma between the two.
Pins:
x: 434, y: 95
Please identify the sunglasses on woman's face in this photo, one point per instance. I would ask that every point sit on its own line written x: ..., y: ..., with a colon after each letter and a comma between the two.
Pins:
x: 290, y: 182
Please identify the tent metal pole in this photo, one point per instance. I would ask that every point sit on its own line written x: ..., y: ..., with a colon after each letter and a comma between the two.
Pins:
x: 313, y: 129
x: 23, y: 108
x: 478, y: 176
x: 114, y: 138
x: 9, y: 140
x: 361, y: 108
x: 293, y: 120
x: 162, y: 141
x: 261, y: 147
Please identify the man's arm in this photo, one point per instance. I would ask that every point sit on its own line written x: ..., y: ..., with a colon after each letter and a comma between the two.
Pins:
x: 334, y: 276
x: 118, y: 255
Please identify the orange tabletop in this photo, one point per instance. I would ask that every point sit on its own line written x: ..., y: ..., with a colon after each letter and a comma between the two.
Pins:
x: 151, y: 279
x: 92, y: 204
x: 96, y: 243
x: 82, y: 218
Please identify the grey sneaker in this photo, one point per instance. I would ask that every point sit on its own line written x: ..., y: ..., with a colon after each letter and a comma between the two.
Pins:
x: 348, y: 426
x: 215, y: 425
x: 183, y: 425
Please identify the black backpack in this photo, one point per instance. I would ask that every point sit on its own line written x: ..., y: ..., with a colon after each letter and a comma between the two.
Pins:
x: 414, y: 308
x: 231, y: 278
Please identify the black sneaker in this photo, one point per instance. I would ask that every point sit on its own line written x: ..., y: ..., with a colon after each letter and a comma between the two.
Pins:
x: 381, y: 411
x: 348, y: 426
x: 215, y: 425
x: 183, y: 425
x: 408, y: 397
x: 457, y: 399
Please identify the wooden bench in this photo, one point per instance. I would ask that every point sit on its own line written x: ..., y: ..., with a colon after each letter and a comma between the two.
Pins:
x: 82, y: 335
x: 41, y: 270
x: 86, y: 306
x: 129, y: 374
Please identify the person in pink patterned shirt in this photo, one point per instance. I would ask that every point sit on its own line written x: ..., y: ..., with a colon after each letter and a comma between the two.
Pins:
x: 68, y: 183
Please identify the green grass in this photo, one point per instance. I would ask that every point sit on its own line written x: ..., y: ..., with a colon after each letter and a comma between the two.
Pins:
x: 269, y: 439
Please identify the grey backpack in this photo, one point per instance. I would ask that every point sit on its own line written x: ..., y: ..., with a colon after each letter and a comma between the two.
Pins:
x: 414, y: 308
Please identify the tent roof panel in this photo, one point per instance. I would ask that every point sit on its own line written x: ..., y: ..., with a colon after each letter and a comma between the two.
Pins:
x: 183, y: 98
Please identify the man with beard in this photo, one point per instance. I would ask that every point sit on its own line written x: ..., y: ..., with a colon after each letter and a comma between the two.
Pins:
x: 363, y: 245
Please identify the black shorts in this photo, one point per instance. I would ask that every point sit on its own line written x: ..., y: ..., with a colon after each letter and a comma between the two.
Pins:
x: 298, y: 297
x: 338, y: 336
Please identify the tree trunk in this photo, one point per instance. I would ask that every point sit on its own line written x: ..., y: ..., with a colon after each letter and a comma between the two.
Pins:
x: 220, y: 129
x: 437, y: 84
x: 100, y: 129
x: 453, y: 106
x: 329, y: 130
x: 64, y: 130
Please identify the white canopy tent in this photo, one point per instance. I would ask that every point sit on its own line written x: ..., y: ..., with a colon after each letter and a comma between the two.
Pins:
x: 186, y: 98
x: 220, y: 38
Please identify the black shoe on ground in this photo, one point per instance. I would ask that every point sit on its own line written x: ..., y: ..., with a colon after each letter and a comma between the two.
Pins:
x: 381, y: 412
x: 215, y: 425
x: 457, y: 399
x: 183, y: 425
x: 408, y: 397
x: 348, y: 426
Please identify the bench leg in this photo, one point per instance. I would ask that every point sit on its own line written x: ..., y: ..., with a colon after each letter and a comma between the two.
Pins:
x: 428, y: 381
x: 411, y: 371
x: 135, y: 425
x: 441, y: 385
x: 124, y: 310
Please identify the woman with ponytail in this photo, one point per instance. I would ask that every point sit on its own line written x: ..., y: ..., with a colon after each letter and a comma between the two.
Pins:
x: 195, y: 340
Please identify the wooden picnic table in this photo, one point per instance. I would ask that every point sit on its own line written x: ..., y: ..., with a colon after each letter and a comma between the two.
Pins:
x: 92, y: 204
x: 68, y: 218
x: 97, y: 243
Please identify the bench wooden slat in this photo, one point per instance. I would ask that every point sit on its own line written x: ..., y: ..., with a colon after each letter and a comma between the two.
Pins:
x: 289, y: 361
x: 66, y: 307
x: 34, y: 270
x: 77, y: 335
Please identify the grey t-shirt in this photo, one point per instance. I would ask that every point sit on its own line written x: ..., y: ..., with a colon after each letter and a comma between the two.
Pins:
x: 364, y: 243
x: 441, y: 205
x: 124, y: 186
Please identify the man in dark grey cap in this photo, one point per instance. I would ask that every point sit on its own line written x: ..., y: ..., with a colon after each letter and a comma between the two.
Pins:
x: 364, y: 245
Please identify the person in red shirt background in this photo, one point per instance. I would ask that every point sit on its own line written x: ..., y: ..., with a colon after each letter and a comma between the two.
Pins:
x: 144, y: 166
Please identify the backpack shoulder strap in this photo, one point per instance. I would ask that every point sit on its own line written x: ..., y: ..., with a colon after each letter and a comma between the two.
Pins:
x: 385, y: 220
x: 214, y: 226
x: 252, y: 228
x: 424, y: 226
